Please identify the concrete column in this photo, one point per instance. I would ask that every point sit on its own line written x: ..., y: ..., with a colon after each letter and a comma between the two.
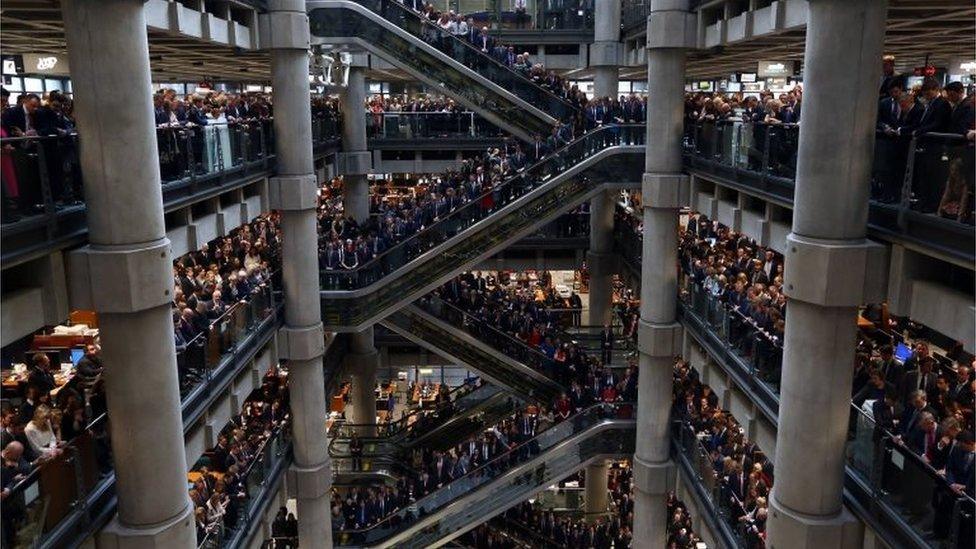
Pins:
x: 599, y: 259
x: 605, y: 51
x: 596, y: 491
x: 658, y: 333
x: 294, y: 193
x: 128, y: 243
x: 355, y: 198
x: 826, y: 256
x: 362, y: 360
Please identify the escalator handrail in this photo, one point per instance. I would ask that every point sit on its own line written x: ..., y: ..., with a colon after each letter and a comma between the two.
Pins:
x: 384, y: 523
x: 477, y: 201
x: 443, y: 33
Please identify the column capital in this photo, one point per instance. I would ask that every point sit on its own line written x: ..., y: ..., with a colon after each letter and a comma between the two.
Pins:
x: 310, y: 482
x: 659, y: 340
x: 354, y: 162
x: 293, y: 192
x: 121, y: 279
x: 665, y: 190
x: 600, y: 263
x: 791, y: 529
x: 178, y: 531
x: 287, y: 29
x: 672, y: 28
x: 654, y: 477
x: 834, y: 273
x: 301, y: 343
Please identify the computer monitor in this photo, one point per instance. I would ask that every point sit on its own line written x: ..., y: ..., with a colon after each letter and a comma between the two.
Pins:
x: 903, y: 352
x: 76, y: 355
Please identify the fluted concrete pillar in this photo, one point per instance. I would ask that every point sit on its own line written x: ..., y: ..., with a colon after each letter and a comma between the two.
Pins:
x: 302, y: 340
x: 605, y: 50
x: 596, y: 495
x: 826, y: 258
x: 125, y: 273
x: 670, y: 30
x: 362, y: 360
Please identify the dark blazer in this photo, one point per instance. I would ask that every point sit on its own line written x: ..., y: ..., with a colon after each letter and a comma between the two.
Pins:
x: 961, y: 118
x: 935, y: 117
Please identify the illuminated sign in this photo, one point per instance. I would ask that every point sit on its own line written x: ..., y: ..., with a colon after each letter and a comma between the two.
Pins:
x: 776, y: 68
x: 45, y: 64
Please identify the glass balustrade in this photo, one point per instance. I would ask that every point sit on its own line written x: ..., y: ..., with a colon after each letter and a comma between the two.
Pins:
x: 601, y: 430
x: 494, y: 99
x: 918, y: 183
x: 511, y: 209
x: 427, y: 125
x: 908, y: 486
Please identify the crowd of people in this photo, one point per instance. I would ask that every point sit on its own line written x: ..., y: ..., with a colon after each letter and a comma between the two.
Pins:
x: 523, y: 310
x: 744, y: 472
x: 423, y: 115
x: 745, y: 278
x: 210, y: 281
x: 219, y: 485
x: 346, y: 243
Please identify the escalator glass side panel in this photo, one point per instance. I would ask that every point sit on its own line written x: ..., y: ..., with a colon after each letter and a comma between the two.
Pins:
x: 467, y: 54
x: 477, y: 230
x: 554, y: 454
x: 487, y: 99
x: 461, y: 426
x: 523, y: 381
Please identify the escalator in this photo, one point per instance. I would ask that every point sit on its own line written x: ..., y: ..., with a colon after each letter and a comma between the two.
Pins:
x: 444, y: 62
x: 609, y: 157
x: 461, y: 339
x: 470, y: 413
x: 508, y: 479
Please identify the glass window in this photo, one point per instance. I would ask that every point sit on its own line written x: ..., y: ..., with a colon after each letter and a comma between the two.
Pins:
x: 51, y: 84
x: 33, y: 85
x: 67, y: 86
x: 15, y: 84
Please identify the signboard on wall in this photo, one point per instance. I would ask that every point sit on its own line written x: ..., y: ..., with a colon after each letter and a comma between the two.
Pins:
x: 776, y: 68
x: 41, y: 63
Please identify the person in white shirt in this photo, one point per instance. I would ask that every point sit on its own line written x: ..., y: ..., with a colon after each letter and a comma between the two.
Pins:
x: 461, y: 28
x: 42, y: 438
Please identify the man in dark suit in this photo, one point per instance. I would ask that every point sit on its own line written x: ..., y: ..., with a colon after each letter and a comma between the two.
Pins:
x: 921, y: 379
x: 935, y: 117
x: 883, y: 411
x: 961, y: 115
x: 19, y: 120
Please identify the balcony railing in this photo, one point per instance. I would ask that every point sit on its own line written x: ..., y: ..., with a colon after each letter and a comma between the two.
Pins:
x: 65, y: 498
x: 271, y: 459
x: 428, y: 125
x: 921, y: 186
x: 43, y: 185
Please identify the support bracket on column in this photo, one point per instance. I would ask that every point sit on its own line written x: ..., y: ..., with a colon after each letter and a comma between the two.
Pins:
x: 175, y: 532
x: 121, y: 280
x: 790, y: 529
x: 310, y: 482
x: 293, y: 192
x: 834, y: 273
x: 286, y: 27
x: 672, y: 29
x: 659, y: 340
x: 605, y: 54
x: 654, y: 478
x: 354, y: 162
x: 301, y: 343
x: 665, y: 190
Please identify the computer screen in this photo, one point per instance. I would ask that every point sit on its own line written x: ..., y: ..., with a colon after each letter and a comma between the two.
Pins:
x: 76, y: 355
x: 903, y: 352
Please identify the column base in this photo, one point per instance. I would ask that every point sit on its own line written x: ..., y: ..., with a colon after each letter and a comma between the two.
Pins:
x: 652, y: 481
x: 789, y: 529
x: 179, y: 531
x: 310, y: 482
